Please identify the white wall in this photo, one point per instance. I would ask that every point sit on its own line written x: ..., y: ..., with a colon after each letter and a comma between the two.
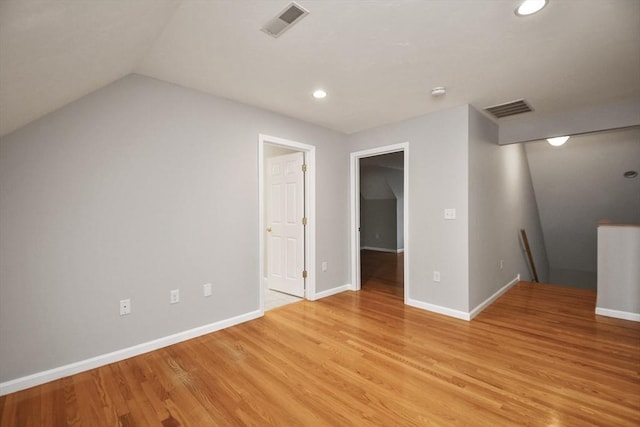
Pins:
x: 501, y: 202
x: 438, y: 179
x: 136, y: 189
x: 619, y: 271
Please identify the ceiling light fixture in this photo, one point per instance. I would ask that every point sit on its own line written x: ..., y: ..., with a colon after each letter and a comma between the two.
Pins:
x: 557, y: 141
x: 529, y: 7
x: 319, y: 94
x: 630, y: 174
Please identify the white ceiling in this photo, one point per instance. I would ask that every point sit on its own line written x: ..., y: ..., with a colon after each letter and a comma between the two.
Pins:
x: 377, y: 59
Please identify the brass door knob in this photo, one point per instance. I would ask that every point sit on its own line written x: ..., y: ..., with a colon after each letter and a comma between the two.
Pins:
x: 268, y: 229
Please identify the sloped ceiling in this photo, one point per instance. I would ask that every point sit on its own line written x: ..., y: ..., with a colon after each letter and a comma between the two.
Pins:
x: 377, y: 59
x: 381, y: 176
x: 580, y: 183
x: 374, y: 184
x: 54, y: 52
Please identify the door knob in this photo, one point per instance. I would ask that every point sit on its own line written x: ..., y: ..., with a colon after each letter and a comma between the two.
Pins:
x: 268, y: 229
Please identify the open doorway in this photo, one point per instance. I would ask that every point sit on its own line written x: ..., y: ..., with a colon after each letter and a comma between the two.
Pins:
x: 380, y: 220
x: 287, y: 234
x: 381, y: 223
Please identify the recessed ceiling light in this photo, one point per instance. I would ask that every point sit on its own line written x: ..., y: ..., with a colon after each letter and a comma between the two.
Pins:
x: 529, y: 7
x: 557, y: 141
x: 319, y: 94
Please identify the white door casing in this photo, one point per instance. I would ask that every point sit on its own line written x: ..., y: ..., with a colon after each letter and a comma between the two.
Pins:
x: 284, y: 223
x: 355, y: 211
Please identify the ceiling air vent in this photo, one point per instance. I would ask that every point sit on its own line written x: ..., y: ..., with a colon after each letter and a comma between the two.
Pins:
x: 284, y: 20
x: 509, y: 109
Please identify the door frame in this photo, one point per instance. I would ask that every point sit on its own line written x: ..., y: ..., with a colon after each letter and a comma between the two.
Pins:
x: 309, y: 208
x: 355, y: 210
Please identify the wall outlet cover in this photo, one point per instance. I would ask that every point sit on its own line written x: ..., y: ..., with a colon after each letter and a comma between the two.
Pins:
x: 125, y: 307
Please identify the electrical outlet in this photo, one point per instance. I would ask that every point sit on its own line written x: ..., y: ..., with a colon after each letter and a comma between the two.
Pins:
x: 450, y: 213
x: 501, y: 264
x: 125, y: 307
x: 436, y: 276
x: 206, y: 288
x: 174, y: 296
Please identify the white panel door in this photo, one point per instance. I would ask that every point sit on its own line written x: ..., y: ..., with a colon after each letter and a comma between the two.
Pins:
x: 285, y: 231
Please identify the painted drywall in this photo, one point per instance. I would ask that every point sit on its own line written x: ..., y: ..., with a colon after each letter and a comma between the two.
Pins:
x: 574, y: 278
x: 381, y: 187
x: 438, y: 166
x: 374, y: 184
x: 129, y: 192
x: 378, y: 175
x: 501, y: 202
x: 619, y: 269
x: 378, y: 224
x: 395, y: 178
x: 576, y: 186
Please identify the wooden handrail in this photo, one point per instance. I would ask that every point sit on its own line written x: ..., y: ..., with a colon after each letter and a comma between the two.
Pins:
x: 532, y: 265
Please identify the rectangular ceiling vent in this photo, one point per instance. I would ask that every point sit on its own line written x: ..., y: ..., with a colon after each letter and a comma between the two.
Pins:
x: 292, y: 14
x: 509, y: 109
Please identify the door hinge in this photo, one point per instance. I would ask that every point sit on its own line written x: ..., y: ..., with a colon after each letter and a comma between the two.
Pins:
x: 304, y: 274
x: 304, y: 167
x: 304, y: 221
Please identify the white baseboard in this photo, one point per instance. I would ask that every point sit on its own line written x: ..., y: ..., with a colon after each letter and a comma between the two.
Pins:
x: 458, y: 314
x: 438, y: 309
x: 116, y: 356
x: 486, y: 303
x: 635, y: 317
x: 330, y: 292
x: 373, y: 248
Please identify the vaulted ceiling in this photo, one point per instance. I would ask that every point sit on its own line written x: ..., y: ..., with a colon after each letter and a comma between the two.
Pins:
x: 377, y: 59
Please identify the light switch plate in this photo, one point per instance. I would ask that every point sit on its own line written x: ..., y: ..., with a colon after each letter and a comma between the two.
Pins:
x: 207, y: 289
x: 450, y: 213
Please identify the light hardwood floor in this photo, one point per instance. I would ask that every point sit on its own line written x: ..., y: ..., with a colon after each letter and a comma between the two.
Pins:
x: 538, y: 356
x: 382, y: 271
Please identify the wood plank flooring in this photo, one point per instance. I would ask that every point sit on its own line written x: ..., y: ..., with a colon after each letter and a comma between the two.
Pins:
x: 538, y: 356
x: 382, y: 271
